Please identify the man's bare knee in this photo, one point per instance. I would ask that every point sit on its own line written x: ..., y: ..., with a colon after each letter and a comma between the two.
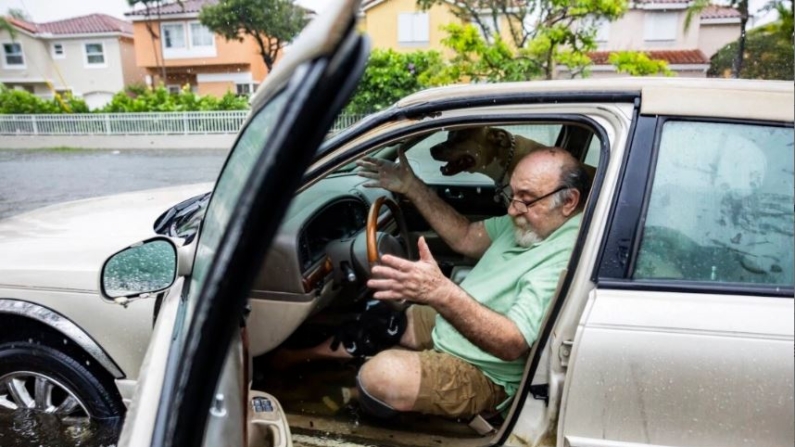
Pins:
x: 393, y: 377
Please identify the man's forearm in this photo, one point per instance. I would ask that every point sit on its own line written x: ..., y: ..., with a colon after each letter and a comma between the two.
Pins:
x: 443, y: 218
x: 490, y: 331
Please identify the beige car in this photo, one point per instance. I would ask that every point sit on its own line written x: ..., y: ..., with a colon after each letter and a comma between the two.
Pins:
x: 63, y: 350
x: 671, y: 326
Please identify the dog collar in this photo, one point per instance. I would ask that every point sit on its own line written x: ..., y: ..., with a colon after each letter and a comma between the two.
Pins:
x: 500, y: 183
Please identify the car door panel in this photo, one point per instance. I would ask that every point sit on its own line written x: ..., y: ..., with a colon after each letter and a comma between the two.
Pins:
x: 660, y: 369
x: 687, y: 339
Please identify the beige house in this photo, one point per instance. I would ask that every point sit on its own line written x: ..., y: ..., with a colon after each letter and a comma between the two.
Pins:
x: 656, y: 27
x: 172, y: 36
x: 90, y: 56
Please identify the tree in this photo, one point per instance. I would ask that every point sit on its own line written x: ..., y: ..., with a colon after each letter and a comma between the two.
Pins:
x: 390, y: 75
x: 543, y: 33
x: 636, y: 63
x: 783, y: 27
x: 19, y: 14
x: 6, y: 26
x: 155, y: 5
x: 271, y: 23
x: 742, y: 7
x: 768, y: 53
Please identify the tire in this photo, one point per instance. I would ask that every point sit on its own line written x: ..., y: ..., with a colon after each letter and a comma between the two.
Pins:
x: 29, y: 372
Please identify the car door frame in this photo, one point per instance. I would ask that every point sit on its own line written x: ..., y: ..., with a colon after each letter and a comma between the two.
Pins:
x: 336, y: 154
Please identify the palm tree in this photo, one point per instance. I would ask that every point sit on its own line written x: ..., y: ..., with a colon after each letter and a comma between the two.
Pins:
x: 742, y: 7
x: 5, y: 25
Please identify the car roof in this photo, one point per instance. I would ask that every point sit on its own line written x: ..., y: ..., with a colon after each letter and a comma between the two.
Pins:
x: 697, y: 97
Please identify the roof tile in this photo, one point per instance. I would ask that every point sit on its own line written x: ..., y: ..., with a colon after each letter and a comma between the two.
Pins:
x: 185, y: 7
x: 90, y: 24
x: 719, y: 12
x: 22, y: 24
x: 673, y: 57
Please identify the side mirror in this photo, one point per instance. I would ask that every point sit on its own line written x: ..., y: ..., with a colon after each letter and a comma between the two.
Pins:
x: 139, y: 270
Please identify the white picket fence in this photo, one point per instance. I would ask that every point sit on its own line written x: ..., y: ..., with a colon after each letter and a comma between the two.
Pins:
x: 166, y: 123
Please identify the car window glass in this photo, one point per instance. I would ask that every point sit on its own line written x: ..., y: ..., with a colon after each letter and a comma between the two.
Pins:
x: 721, y: 206
x: 229, y: 187
x: 593, y: 152
x: 429, y: 171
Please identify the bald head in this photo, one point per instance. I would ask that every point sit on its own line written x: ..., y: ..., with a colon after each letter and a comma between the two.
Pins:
x: 554, y: 167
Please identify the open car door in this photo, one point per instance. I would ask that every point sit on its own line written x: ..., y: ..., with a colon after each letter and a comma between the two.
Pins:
x: 196, y: 356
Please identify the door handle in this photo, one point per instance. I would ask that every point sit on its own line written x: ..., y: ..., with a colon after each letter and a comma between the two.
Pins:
x: 451, y: 195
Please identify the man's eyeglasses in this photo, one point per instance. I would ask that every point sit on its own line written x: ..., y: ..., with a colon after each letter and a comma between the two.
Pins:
x: 523, y: 205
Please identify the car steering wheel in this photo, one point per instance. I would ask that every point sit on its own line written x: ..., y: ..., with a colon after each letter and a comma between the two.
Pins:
x: 372, y: 225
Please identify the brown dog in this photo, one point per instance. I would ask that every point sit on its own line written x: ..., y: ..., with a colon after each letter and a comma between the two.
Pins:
x: 483, y: 149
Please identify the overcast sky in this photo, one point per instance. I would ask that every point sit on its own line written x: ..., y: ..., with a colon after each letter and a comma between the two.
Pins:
x: 48, y: 10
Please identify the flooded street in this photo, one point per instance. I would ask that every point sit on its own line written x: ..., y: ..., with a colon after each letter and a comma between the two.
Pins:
x: 30, y: 179
x: 29, y: 429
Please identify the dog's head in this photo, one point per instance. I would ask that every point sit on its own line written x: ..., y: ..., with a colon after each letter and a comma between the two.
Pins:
x: 471, y: 149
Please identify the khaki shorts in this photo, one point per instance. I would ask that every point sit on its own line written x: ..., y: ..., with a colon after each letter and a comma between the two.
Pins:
x: 449, y: 386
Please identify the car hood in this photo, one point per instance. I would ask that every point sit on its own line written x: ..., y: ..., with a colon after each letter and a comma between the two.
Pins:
x: 63, y: 246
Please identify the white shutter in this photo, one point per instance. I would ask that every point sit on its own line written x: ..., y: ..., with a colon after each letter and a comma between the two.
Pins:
x: 660, y: 26
x: 405, y: 25
x: 413, y: 28
x: 422, y: 27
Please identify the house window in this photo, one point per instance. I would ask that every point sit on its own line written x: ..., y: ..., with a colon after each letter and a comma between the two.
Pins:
x: 413, y: 28
x: 201, y: 36
x: 660, y: 26
x: 174, y: 89
x: 491, y: 26
x: 602, y: 26
x: 185, y: 40
x: 95, y: 54
x: 246, y: 89
x: 13, y: 57
x: 58, y: 51
x: 174, y: 35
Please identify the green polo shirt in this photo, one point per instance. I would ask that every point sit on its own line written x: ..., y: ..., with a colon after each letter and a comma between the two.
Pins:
x: 513, y: 281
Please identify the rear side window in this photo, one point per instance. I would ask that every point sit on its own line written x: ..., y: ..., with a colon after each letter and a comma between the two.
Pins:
x: 721, y: 205
x: 428, y: 169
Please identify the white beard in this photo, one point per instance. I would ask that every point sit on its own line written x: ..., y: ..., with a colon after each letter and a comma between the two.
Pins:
x: 523, y: 234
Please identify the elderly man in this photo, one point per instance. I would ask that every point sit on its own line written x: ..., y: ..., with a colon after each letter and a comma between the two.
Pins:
x: 470, y: 343
x: 467, y: 344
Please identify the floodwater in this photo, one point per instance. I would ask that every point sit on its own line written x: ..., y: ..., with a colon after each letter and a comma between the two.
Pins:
x: 32, y: 429
x: 30, y: 179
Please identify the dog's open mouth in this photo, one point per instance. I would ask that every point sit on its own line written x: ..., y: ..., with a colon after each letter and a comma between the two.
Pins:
x: 460, y: 164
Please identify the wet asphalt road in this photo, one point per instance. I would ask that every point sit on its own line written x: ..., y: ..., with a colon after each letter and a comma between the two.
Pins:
x: 30, y: 179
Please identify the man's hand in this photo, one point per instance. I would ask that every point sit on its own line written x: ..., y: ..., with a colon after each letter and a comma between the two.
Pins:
x: 420, y: 281
x: 395, y: 177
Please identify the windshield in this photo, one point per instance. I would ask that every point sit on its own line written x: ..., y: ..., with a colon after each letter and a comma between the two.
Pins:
x: 228, y: 189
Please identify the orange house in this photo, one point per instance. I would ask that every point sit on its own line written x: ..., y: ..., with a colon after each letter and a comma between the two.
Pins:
x: 192, y: 54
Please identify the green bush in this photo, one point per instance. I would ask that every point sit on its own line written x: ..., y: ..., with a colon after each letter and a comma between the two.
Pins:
x: 390, y: 75
x: 135, y: 98
x: 21, y: 101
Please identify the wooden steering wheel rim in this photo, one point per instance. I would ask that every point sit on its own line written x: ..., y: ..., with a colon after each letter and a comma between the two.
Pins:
x: 372, y: 225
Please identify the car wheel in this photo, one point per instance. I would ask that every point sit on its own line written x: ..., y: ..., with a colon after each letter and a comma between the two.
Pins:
x: 36, y: 377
